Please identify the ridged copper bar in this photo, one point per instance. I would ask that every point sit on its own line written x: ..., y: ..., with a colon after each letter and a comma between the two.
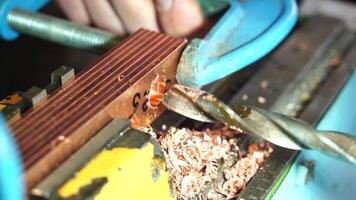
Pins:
x: 114, y: 86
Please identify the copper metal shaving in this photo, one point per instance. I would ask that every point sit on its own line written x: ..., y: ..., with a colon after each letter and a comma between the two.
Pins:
x: 208, y: 164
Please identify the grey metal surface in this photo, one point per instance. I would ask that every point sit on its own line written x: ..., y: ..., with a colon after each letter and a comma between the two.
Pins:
x: 342, y: 10
x: 330, y: 88
x: 307, y: 43
x: 302, y: 88
x: 60, y: 77
x: 35, y: 95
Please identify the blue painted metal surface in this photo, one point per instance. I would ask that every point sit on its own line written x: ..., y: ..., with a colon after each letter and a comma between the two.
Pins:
x: 333, y: 179
x: 247, y: 31
x: 6, y: 32
x: 11, y: 184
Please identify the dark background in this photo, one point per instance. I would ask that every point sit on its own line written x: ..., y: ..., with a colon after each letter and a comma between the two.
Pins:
x: 27, y: 61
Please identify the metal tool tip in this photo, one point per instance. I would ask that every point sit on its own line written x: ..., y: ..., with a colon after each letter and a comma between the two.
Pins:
x: 181, y: 99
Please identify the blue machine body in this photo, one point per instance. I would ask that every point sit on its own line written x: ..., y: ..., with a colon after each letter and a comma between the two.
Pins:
x: 6, y: 32
x: 332, y: 178
x: 11, y: 184
x: 247, y: 31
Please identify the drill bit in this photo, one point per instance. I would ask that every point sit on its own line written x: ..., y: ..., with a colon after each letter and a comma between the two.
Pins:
x: 276, y: 128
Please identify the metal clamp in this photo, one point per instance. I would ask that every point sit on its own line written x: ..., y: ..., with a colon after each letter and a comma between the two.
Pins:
x: 248, y: 31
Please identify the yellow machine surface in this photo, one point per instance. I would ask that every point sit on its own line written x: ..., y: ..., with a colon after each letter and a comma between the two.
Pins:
x: 129, y: 173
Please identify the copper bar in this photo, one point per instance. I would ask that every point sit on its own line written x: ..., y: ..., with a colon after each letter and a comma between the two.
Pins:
x: 113, y: 87
x: 95, y: 89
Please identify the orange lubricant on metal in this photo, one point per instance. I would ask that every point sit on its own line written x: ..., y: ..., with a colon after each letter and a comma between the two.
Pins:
x: 155, y: 96
x: 154, y: 99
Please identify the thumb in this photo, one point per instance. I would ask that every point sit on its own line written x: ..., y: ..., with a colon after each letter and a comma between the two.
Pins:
x: 179, y: 17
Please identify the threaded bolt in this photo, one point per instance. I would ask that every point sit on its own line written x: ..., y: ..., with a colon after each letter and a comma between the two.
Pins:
x: 61, y: 31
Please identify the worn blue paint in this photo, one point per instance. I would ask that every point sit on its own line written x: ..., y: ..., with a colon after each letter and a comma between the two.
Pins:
x: 247, y: 31
x: 333, y: 179
x: 6, y: 32
x: 11, y: 185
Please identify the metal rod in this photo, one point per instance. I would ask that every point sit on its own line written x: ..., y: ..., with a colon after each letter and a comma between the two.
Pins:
x: 61, y: 31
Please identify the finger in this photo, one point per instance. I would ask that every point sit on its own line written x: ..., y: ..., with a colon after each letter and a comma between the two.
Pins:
x: 75, y: 10
x: 103, y: 16
x: 179, y: 18
x: 136, y: 14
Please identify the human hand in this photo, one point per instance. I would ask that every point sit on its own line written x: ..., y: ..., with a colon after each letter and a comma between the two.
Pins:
x: 175, y: 17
